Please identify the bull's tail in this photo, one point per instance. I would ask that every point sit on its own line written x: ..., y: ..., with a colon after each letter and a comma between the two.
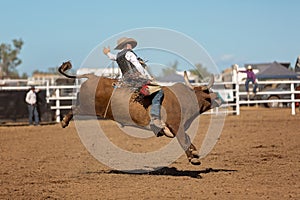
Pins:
x: 66, y: 66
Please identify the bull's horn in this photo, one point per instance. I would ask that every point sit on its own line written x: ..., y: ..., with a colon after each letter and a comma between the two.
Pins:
x: 187, y: 82
x: 211, y: 81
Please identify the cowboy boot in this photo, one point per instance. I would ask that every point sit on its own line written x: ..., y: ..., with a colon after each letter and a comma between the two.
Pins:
x: 160, y: 128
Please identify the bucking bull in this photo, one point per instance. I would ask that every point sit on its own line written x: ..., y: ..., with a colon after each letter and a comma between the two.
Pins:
x: 97, y: 96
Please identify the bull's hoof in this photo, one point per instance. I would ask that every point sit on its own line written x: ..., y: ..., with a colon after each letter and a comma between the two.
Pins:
x: 63, y: 124
x: 195, y: 161
x: 195, y: 154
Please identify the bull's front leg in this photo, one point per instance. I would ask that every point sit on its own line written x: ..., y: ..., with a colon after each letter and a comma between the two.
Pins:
x: 192, y: 155
x: 190, y: 150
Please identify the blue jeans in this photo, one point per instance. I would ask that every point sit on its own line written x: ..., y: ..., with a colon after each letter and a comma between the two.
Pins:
x: 248, y: 80
x: 32, y: 111
x: 156, y: 104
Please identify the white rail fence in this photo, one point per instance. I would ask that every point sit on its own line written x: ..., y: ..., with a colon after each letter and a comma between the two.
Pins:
x: 290, y: 101
x: 53, y: 93
x: 57, y: 97
x: 229, y: 91
x: 236, y: 95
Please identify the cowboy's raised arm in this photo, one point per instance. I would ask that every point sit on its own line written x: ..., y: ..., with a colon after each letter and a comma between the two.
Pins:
x: 106, y: 51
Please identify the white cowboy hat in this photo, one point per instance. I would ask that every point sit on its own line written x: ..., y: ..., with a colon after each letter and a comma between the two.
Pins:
x: 124, y: 40
x: 249, y: 67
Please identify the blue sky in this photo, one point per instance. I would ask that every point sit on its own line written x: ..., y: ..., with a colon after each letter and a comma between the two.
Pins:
x: 231, y: 31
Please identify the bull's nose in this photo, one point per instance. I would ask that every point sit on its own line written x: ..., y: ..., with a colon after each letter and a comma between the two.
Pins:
x: 218, y: 101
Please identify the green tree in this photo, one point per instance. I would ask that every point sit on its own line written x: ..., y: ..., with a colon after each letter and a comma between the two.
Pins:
x: 200, y: 71
x: 9, y: 58
x: 24, y: 76
x: 170, y: 70
x: 51, y: 70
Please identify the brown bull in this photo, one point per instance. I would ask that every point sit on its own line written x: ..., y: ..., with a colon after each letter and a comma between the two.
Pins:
x: 95, y: 97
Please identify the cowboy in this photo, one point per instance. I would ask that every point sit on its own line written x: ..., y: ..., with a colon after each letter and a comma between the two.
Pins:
x: 135, y: 75
x: 250, y: 78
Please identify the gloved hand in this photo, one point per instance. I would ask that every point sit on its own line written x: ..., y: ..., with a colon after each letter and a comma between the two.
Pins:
x: 106, y: 50
x: 142, y: 62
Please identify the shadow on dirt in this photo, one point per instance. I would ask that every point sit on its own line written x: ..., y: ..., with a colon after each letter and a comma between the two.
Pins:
x: 168, y: 171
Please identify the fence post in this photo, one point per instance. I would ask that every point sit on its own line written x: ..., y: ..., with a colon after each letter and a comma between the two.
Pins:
x: 57, y: 113
x: 236, y: 87
x: 47, y: 91
x: 293, y: 99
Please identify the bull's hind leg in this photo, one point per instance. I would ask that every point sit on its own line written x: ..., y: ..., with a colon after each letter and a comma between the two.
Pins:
x: 68, y: 117
x: 66, y: 120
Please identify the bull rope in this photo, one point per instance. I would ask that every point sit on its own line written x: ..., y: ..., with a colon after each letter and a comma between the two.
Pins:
x: 109, y: 101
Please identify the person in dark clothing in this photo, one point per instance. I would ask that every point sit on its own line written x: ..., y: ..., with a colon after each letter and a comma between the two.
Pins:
x: 250, y: 78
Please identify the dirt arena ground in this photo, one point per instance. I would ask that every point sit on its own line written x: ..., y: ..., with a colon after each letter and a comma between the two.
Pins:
x: 256, y: 157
